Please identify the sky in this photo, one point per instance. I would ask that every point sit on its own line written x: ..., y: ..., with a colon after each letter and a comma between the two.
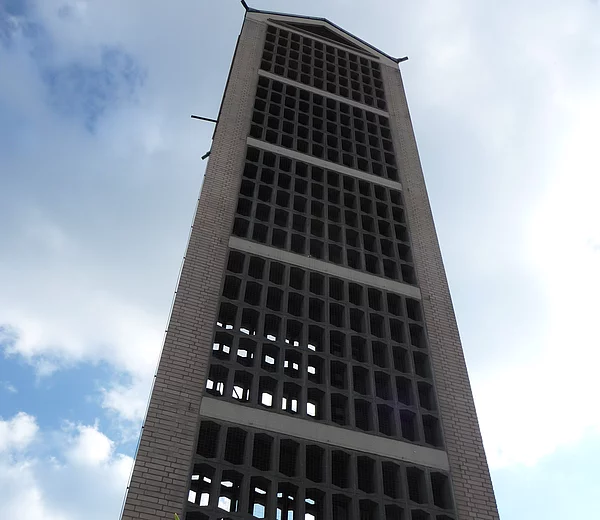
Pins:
x: 100, y: 171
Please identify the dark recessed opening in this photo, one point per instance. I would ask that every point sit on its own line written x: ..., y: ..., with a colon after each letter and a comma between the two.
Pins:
x: 442, y: 494
x: 431, y: 429
x: 404, y: 390
x: 314, y: 463
x: 208, y: 439
x: 375, y: 299
x: 408, y: 425
x: 231, y: 287
x: 362, y: 414
x: 369, y: 510
x: 383, y: 387
x: 339, y: 409
x: 288, y: 457
x: 234, y: 445
x: 341, y: 507
x: 401, y: 362
x: 392, y: 483
x: 426, y: 395
x: 379, y: 354
x: 417, y: 486
x: 365, y: 468
x: 358, y: 349
x: 340, y: 468
x: 385, y: 416
x: 422, y: 367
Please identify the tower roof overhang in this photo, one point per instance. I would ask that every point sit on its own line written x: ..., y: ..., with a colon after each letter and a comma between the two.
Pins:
x: 321, y: 28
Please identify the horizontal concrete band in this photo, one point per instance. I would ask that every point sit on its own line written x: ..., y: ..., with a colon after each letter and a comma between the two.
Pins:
x: 323, y: 93
x: 323, y: 433
x: 324, y: 267
x: 263, y: 145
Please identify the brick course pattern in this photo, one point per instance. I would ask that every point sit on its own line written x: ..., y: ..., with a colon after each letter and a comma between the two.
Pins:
x: 159, y: 483
x: 472, y: 484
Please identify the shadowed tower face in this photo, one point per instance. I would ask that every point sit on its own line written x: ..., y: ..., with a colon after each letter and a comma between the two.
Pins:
x: 312, y: 368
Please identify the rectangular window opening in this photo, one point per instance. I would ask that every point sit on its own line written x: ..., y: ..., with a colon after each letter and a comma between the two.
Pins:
x: 417, y: 486
x: 288, y: 457
x: 314, y: 463
x: 235, y: 445
x: 365, y: 469
x: 261, y: 452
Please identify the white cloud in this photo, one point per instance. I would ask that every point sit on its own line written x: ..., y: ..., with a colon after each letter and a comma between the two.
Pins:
x: 9, y: 387
x: 17, y: 433
x: 88, y: 277
x: 526, y: 270
x: 89, y: 447
x: 544, y: 401
x: 130, y: 401
x: 65, y: 475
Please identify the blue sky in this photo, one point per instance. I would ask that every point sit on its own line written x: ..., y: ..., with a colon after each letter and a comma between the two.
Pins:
x: 100, y: 168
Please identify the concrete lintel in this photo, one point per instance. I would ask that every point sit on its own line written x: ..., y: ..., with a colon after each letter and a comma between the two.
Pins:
x: 324, y: 267
x: 324, y: 433
x: 263, y: 145
x: 323, y: 93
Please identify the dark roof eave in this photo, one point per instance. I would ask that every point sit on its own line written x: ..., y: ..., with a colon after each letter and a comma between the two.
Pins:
x: 319, y: 19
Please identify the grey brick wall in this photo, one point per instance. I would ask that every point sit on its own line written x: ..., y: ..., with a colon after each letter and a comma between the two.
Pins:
x: 159, y: 481
x: 471, y: 479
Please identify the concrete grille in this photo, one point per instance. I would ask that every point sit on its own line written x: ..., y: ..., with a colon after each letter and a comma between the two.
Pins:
x: 307, y: 122
x: 327, y: 67
x: 321, y: 348
x: 242, y: 472
x: 298, y: 207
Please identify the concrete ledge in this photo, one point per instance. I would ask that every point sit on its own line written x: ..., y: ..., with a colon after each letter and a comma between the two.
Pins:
x: 324, y: 433
x: 327, y: 165
x: 324, y: 267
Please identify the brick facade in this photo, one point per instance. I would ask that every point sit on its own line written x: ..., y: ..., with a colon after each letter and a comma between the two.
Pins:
x: 473, y: 490
x: 159, y: 482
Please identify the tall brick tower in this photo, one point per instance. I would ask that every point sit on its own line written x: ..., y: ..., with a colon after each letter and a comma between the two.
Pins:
x: 312, y: 368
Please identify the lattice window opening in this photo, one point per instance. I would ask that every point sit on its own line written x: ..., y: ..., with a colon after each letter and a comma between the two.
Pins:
x: 394, y: 486
x: 327, y: 67
x: 370, y: 247
x: 381, y: 418
x: 323, y: 127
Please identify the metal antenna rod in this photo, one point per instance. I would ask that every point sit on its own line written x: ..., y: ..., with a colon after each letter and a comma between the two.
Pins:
x: 210, y: 120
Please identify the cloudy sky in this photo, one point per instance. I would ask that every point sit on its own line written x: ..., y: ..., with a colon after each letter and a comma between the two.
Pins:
x: 100, y: 170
